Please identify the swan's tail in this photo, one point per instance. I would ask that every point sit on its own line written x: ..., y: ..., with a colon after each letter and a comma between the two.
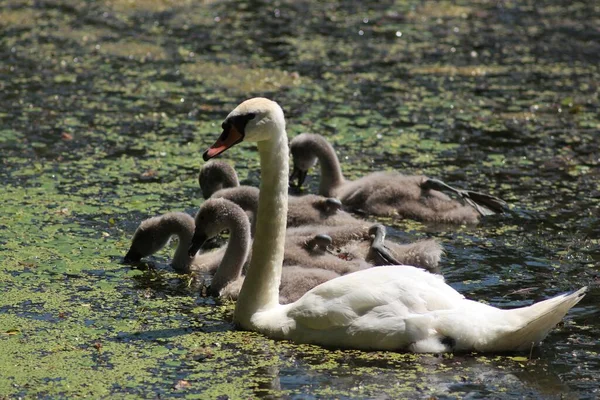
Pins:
x: 537, y: 321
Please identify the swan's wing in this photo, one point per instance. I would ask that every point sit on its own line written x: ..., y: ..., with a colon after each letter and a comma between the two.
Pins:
x: 400, y: 291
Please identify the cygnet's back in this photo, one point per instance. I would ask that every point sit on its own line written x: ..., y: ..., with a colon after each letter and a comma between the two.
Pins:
x: 314, y: 209
x: 303, y: 249
x: 218, y: 179
x: 389, y: 193
x: 356, y: 242
x: 394, y: 194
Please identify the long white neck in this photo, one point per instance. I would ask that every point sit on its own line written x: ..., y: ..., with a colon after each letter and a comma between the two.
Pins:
x: 236, y: 253
x: 261, y: 287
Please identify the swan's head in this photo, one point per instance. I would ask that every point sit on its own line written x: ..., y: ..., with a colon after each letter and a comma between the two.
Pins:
x: 302, y: 149
x: 215, y: 215
x: 377, y: 229
x: 253, y: 120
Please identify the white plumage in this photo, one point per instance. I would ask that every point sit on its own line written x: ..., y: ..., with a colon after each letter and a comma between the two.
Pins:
x: 383, y: 308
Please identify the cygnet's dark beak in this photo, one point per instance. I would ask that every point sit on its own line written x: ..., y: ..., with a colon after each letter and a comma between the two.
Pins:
x: 300, y: 175
x: 197, y: 242
x: 210, y: 291
x: 132, y: 256
x: 320, y: 242
x: 332, y: 205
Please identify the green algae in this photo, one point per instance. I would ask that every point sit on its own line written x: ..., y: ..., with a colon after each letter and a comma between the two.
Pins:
x: 108, y: 105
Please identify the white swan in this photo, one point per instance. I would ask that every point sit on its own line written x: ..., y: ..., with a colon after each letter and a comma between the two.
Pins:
x: 385, y: 308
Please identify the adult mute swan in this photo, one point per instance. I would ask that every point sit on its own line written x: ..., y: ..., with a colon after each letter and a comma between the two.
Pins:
x: 389, y: 193
x: 384, y: 308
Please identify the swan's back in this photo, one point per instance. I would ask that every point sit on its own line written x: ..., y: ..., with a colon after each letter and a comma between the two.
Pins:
x: 297, y: 253
x: 401, y: 290
x: 315, y: 209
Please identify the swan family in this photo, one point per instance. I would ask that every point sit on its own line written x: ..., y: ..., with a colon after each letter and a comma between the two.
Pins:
x: 325, y: 277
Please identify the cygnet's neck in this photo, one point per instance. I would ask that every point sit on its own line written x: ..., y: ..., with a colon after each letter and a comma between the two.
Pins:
x: 237, y: 250
x: 261, y: 287
x: 331, y: 172
x: 182, y: 225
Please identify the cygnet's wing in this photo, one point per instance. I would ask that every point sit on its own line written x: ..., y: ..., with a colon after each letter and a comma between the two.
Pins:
x: 382, y: 254
x: 484, y: 204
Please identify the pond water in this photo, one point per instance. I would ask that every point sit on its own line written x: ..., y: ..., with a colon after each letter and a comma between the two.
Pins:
x: 106, y: 107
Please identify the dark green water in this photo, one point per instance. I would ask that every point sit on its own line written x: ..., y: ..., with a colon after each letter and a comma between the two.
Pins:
x: 106, y: 107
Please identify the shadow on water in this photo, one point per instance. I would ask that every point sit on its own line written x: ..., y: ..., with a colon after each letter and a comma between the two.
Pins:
x: 108, y: 105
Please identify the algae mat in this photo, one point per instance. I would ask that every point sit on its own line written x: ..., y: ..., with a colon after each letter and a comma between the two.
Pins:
x: 106, y: 107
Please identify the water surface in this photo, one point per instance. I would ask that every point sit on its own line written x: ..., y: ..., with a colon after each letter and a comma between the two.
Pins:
x: 106, y: 107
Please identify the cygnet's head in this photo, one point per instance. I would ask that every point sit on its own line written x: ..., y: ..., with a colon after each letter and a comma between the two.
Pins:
x: 377, y: 230
x: 320, y: 242
x: 216, y: 175
x: 329, y: 206
x: 253, y: 120
x: 302, y: 149
x: 215, y: 215
x: 149, y: 237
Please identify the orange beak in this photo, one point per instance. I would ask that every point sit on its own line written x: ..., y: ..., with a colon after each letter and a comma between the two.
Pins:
x: 228, y: 138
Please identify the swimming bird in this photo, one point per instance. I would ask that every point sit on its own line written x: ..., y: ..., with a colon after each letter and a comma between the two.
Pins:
x: 367, y: 242
x: 216, y: 175
x: 309, y: 262
x: 389, y: 193
x: 154, y: 233
x: 311, y: 215
x: 380, y: 308
x: 307, y: 259
x: 219, y: 179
